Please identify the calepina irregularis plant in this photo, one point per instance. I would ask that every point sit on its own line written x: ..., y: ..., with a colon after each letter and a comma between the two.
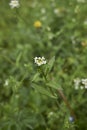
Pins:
x: 46, y: 84
x: 42, y: 81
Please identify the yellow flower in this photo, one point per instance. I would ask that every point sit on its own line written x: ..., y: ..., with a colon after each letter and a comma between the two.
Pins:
x: 37, y: 24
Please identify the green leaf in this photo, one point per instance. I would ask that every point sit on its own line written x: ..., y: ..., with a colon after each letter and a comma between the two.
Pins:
x: 53, y: 85
x: 50, y: 65
x: 29, y: 126
x: 18, y: 59
x: 36, y: 77
x: 44, y: 91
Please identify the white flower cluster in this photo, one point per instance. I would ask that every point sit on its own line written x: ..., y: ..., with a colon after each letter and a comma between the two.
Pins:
x: 40, y: 60
x: 80, y: 83
x: 76, y: 83
x: 84, y: 82
x: 14, y: 4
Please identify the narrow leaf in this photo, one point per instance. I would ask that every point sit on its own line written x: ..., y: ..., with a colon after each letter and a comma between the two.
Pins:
x: 50, y: 65
x: 36, y: 77
x: 53, y: 85
x: 42, y: 90
x: 18, y: 59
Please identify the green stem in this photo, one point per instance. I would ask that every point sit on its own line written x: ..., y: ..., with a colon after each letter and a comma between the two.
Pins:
x: 42, y: 72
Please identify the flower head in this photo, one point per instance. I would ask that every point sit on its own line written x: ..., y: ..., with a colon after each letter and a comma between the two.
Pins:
x: 37, y: 24
x: 80, y: 83
x: 40, y: 60
x: 14, y: 4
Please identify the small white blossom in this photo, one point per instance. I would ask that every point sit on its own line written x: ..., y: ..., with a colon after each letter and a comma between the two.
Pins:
x: 6, y: 82
x: 14, y: 4
x: 40, y: 60
x: 80, y: 83
x: 84, y: 81
x: 77, y: 82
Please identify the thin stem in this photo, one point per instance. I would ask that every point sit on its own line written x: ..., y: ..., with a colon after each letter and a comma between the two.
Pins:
x: 67, y: 103
x: 42, y: 72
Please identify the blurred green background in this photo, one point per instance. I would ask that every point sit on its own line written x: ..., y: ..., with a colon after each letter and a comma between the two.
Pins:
x: 63, y: 34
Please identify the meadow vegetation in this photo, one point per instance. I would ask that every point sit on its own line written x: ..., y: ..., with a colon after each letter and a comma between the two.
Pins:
x: 43, y: 65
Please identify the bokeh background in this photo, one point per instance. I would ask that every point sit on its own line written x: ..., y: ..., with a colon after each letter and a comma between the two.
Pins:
x: 63, y: 34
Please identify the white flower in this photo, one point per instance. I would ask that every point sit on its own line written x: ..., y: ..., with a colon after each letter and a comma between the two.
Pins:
x: 80, y: 83
x: 40, y: 60
x: 14, y: 3
x: 84, y: 81
x: 77, y: 82
x: 6, y: 82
